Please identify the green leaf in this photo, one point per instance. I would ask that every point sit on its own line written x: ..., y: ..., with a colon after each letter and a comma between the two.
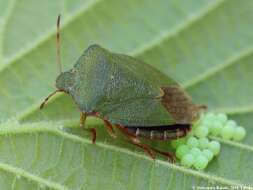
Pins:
x: 205, y: 45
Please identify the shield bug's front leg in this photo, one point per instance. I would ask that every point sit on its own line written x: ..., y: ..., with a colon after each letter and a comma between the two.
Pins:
x: 91, y: 130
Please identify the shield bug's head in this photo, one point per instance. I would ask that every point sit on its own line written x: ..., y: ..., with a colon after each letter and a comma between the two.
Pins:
x: 65, y: 81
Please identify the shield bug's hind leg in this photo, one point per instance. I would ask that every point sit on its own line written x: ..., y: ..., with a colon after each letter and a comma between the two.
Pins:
x: 168, y: 155
x: 91, y: 130
x: 146, y: 148
x: 133, y: 136
x: 109, y: 128
x: 134, y: 140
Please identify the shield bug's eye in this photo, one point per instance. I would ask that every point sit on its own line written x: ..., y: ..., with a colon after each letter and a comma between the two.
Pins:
x: 65, y: 81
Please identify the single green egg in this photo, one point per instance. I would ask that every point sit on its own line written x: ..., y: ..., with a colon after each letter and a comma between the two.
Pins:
x: 192, y: 142
x: 208, y: 154
x: 201, y: 131
x: 200, y: 162
x: 187, y: 160
x: 214, y: 146
x: 182, y: 150
x: 239, y: 133
x: 222, y: 118
x: 203, y: 142
x: 195, y: 152
x: 228, y: 131
x: 216, y: 128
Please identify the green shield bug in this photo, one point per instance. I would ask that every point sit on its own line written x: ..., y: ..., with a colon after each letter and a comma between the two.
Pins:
x: 127, y: 94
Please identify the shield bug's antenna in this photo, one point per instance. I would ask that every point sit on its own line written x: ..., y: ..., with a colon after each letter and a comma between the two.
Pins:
x: 58, y: 43
x: 58, y: 47
x: 48, y: 97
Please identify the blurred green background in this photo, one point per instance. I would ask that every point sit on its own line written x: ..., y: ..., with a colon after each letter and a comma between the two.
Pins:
x: 206, y: 45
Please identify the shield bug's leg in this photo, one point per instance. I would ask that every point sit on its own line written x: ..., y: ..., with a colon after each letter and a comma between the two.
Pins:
x: 132, y: 134
x: 82, y: 119
x: 109, y: 128
x: 146, y: 148
x: 91, y: 130
x: 134, y: 140
x: 48, y: 97
x: 168, y: 155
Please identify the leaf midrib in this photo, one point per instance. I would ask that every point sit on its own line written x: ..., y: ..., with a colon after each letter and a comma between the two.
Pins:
x: 168, y: 34
x: 218, y: 68
x: 46, y: 128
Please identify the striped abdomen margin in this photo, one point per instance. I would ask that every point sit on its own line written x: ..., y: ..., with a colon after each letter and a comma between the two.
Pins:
x: 167, y: 132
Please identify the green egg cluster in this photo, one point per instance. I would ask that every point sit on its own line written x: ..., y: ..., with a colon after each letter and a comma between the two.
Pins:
x: 218, y: 125
x: 196, y: 150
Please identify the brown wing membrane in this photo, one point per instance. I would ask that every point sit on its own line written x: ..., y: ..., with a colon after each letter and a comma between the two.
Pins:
x: 180, y: 105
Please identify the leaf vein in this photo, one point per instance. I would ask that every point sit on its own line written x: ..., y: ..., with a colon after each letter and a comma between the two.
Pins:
x: 20, y: 172
x: 40, y: 40
x: 8, y: 14
x: 221, y: 67
x: 167, y: 34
